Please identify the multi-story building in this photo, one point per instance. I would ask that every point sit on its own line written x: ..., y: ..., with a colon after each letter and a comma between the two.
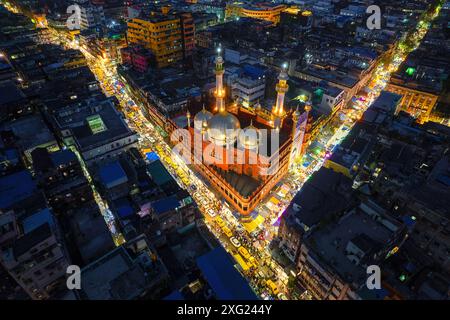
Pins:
x: 32, y: 248
x: 131, y: 271
x: 262, y: 11
x: 60, y: 176
x: 140, y: 58
x: 174, y: 212
x: 428, y: 204
x: 188, y: 31
x: 351, y: 155
x: 249, y: 87
x: 324, y: 195
x: 295, y: 23
x: 333, y: 259
x: 31, y: 132
x: 162, y: 34
x: 95, y: 128
x: 204, y: 39
x: 419, y: 89
x: 332, y: 99
x: 91, y: 15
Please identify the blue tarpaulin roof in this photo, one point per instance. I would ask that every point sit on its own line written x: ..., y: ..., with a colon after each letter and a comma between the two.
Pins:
x: 253, y: 71
x: 63, y: 157
x: 166, y: 204
x: 124, y: 207
x: 409, y: 222
x: 152, y: 156
x: 112, y: 173
x: 227, y: 283
x: 125, y: 211
x: 38, y: 219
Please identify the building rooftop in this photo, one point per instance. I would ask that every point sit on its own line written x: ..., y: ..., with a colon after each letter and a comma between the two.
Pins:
x: 124, y: 273
x: 158, y: 173
x: 343, y: 79
x: 226, y: 282
x: 435, y: 192
x: 15, y: 188
x: 243, y: 184
x: 325, y: 193
x: 10, y: 93
x: 335, y: 245
x: 31, y: 239
x: 31, y: 132
x: 93, y: 122
x: 166, y: 204
x: 414, y: 75
x: 91, y: 233
x: 386, y: 102
x: 37, y: 219
x: 112, y: 174
x: 44, y: 160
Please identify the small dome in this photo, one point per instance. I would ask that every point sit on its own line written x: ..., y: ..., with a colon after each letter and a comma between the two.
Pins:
x: 223, y: 128
x: 283, y: 75
x: 249, y: 137
x: 202, y: 116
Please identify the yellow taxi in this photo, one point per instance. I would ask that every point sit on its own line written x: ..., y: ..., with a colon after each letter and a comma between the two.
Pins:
x: 227, y: 231
x: 241, y: 262
x: 253, y: 261
x: 273, y: 287
x: 220, y: 222
x: 244, y: 252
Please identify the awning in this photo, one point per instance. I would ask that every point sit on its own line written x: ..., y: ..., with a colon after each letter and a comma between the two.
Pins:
x: 254, y: 224
x: 283, y: 190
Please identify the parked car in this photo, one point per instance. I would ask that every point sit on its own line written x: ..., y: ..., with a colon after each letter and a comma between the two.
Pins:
x: 211, y: 212
x: 235, y: 242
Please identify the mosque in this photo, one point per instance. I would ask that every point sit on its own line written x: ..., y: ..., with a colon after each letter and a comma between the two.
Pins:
x: 242, y: 153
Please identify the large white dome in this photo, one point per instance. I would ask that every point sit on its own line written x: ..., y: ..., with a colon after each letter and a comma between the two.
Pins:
x: 223, y: 128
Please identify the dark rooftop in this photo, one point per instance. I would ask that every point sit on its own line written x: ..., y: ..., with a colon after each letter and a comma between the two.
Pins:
x: 29, y: 240
x: 15, y: 188
x: 10, y: 93
x: 218, y: 270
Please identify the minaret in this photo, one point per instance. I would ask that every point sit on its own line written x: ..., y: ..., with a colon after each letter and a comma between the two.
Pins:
x: 295, y: 117
x: 308, y: 106
x: 281, y: 88
x: 220, y: 92
x: 188, y: 116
